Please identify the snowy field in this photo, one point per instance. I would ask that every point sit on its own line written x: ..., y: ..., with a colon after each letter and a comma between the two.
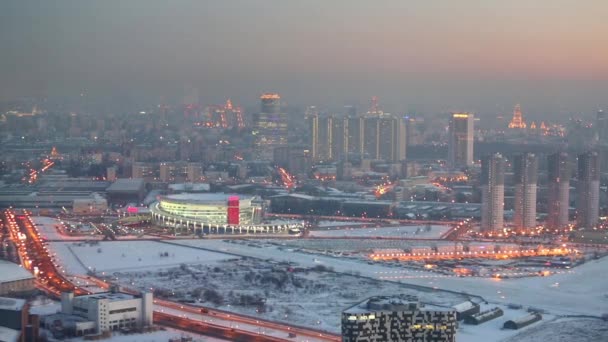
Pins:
x: 108, y: 256
x: 274, y: 291
x: 558, y: 294
x: 411, y: 232
x: 339, y: 223
x: 565, y: 330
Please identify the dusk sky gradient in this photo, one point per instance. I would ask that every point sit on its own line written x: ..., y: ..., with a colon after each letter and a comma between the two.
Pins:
x: 425, y: 56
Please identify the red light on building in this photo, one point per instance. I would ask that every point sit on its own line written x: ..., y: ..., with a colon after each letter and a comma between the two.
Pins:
x: 233, y: 210
x: 132, y: 210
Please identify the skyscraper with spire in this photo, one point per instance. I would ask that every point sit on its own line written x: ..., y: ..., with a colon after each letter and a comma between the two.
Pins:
x: 518, y: 120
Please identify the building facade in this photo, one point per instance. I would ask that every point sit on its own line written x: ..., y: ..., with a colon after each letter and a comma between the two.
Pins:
x: 398, y: 318
x: 270, y: 124
x: 492, y: 192
x: 588, y: 190
x: 461, y: 138
x: 110, y: 311
x: 525, y: 171
x: 558, y: 171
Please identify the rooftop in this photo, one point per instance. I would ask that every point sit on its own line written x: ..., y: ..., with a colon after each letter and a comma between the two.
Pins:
x: 126, y: 185
x: 205, y: 197
x: 9, y: 335
x: 111, y: 296
x: 11, y: 304
x: 13, y: 272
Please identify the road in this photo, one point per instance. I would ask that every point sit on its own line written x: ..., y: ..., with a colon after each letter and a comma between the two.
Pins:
x: 35, y: 257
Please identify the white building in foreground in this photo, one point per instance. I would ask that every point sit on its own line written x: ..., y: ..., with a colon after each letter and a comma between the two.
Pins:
x: 110, y: 311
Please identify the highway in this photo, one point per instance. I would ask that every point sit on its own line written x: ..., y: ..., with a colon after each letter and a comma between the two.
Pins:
x: 35, y: 257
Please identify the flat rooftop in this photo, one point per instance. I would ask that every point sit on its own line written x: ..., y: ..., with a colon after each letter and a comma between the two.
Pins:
x: 111, y: 296
x: 13, y: 272
x: 11, y: 303
x: 126, y: 185
x: 207, y: 197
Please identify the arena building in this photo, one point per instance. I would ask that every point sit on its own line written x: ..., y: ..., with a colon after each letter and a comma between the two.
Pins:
x: 214, y: 213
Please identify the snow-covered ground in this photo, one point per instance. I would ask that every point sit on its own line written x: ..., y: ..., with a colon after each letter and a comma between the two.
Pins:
x: 339, y: 223
x: 541, y: 292
x: 108, y: 256
x: 565, y: 330
x: 412, y: 232
x: 327, y: 294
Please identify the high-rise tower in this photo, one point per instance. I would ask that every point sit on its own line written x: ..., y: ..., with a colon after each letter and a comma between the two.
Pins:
x: 518, y: 119
x: 270, y: 124
x: 588, y: 190
x: 460, y: 144
x: 492, y: 192
x: 558, y: 170
x: 601, y: 126
x: 525, y: 170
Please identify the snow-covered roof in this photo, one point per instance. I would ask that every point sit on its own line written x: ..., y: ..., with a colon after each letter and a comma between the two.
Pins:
x: 13, y: 272
x: 126, y: 185
x: 11, y: 303
x: 464, y: 306
x: 9, y: 335
x: 205, y: 197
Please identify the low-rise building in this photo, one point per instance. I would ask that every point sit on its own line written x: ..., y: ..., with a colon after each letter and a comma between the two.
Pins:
x: 102, y: 312
x: 14, y: 279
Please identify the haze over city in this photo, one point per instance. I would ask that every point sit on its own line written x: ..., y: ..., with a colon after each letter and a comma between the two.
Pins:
x: 417, y: 56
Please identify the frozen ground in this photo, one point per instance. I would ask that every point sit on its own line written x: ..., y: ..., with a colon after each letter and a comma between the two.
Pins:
x: 339, y: 223
x: 412, y: 232
x: 274, y: 291
x: 108, y: 256
x: 543, y: 292
x: 565, y: 330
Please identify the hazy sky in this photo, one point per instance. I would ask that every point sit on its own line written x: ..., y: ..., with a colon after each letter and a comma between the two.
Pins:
x: 483, y: 56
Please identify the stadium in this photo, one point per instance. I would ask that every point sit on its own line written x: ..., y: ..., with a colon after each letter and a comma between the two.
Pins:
x: 214, y: 213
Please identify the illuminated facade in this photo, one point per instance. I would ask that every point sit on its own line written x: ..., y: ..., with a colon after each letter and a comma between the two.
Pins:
x: 525, y: 170
x: 588, y: 190
x: 559, y: 190
x: 460, y: 144
x: 518, y: 119
x: 270, y: 124
x: 398, y: 318
x: 329, y: 137
x: 213, y: 213
x: 492, y: 192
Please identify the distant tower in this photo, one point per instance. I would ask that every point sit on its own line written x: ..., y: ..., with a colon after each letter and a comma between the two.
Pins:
x: 601, y: 124
x: 518, y: 120
x: 374, y: 109
x: 558, y: 170
x: 492, y: 192
x: 525, y: 170
x: 460, y: 144
x: 270, y: 124
x: 588, y: 190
